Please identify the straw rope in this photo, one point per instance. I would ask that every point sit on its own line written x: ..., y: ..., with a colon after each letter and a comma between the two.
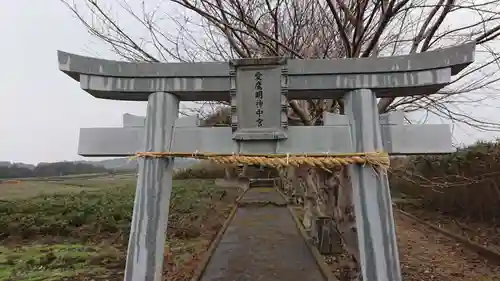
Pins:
x: 325, y: 160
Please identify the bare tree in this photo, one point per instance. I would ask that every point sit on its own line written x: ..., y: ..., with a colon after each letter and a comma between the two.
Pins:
x: 196, y: 30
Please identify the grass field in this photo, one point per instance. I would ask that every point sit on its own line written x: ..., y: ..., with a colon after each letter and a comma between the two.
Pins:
x: 77, y: 229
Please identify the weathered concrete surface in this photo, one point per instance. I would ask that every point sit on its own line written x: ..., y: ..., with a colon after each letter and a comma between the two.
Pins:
x: 152, y: 196
x: 456, y: 57
x: 397, y: 138
x: 378, y: 253
x: 262, y: 244
x: 415, y: 74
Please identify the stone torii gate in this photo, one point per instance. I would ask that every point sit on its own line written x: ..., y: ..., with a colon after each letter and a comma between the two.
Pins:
x: 259, y: 90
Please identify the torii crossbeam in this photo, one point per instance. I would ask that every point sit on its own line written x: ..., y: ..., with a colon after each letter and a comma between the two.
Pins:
x: 259, y: 90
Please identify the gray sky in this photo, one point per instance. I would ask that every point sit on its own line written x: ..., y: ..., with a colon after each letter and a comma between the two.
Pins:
x: 42, y: 109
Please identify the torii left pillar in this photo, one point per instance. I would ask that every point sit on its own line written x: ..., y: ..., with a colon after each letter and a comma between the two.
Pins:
x: 152, y: 197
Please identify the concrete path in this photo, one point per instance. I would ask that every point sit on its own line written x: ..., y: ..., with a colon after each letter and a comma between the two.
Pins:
x: 262, y: 243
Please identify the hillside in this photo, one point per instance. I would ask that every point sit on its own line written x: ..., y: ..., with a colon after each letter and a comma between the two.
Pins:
x: 126, y: 164
x: 21, y: 170
x: 21, y: 165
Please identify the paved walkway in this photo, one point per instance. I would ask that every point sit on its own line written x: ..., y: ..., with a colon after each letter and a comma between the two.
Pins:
x: 262, y: 243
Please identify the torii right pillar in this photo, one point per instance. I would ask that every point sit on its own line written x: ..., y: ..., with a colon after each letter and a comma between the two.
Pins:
x: 371, y: 194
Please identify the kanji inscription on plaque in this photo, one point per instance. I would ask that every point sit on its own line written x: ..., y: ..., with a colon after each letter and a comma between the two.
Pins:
x: 258, y: 99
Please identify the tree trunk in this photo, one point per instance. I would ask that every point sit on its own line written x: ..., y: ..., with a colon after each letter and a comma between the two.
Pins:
x: 230, y: 172
x: 326, y: 193
x: 244, y: 172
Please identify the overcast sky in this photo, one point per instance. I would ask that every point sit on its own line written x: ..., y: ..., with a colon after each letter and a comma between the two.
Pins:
x: 42, y: 109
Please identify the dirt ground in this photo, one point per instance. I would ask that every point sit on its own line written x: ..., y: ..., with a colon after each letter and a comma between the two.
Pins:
x: 427, y: 255
x: 485, y: 233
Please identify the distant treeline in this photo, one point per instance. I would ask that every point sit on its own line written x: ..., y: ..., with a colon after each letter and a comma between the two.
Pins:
x: 50, y: 170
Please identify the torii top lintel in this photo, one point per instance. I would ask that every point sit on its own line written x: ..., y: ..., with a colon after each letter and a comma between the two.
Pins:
x: 416, y: 74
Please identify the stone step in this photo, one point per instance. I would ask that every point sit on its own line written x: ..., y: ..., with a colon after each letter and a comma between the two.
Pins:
x: 263, y: 182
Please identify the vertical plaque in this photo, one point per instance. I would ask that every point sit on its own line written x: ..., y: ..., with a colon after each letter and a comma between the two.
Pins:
x: 259, y: 101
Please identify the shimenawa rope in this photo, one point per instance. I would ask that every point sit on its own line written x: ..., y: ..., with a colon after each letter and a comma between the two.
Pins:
x: 325, y: 160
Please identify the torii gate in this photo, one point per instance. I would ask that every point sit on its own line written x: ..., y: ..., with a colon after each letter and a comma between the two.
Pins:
x: 259, y: 90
